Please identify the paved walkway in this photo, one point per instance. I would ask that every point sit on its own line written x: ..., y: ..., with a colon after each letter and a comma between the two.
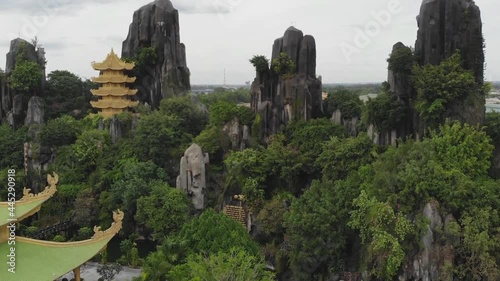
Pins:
x: 89, y: 273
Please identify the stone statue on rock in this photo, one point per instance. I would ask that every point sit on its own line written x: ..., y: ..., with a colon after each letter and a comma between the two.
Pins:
x: 192, y: 178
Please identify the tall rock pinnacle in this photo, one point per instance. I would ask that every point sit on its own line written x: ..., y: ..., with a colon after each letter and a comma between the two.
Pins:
x: 157, y: 25
x: 279, y: 100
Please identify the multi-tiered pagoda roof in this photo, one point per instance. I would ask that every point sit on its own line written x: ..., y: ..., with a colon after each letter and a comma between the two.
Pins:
x: 114, y: 95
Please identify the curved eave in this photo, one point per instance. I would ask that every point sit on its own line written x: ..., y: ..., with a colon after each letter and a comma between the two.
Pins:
x: 114, y: 93
x: 26, y: 207
x: 105, y: 66
x: 47, y: 261
x: 113, y: 62
x: 114, y: 80
x: 120, y: 105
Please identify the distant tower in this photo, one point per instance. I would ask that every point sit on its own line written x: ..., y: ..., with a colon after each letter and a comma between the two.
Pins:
x: 224, y: 77
x: 113, y: 93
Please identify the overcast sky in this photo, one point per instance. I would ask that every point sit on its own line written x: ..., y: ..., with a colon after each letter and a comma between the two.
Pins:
x: 224, y: 34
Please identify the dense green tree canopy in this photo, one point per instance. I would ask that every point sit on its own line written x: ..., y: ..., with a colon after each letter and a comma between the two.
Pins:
x: 164, y: 211
x: 26, y: 76
x: 235, y: 265
x: 347, y: 101
x: 66, y: 92
x: 212, y: 232
x: 438, y: 85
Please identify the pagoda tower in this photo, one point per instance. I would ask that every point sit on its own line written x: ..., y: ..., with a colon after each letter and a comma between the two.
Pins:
x: 114, y: 94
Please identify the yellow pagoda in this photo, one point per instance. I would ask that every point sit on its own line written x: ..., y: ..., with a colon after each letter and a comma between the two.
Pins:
x: 113, y: 94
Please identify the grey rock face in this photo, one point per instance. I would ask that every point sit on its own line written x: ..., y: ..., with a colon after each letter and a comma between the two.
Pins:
x: 192, y: 177
x: 426, y: 265
x: 15, y: 48
x: 18, y: 110
x: 444, y: 27
x: 278, y: 100
x: 115, y: 129
x: 238, y: 134
x: 157, y: 25
x: 13, y: 105
x: 307, y: 56
x: 36, y: 112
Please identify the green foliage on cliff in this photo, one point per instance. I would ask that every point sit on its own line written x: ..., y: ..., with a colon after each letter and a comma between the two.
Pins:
x: 401, y: 62
x: 66, y: 92
x: 439, y: 85
x: 385, y: 111
x: 26, y: 77
x: 345, y: 100
x: 492, y: 124
x: 59, y: 132
x: 283, y: 66
x: 12, y: 146
x: 318, y: 215
x: 224, y: 112
x: 341, y: 157
x: 164, y: 211
x: 211, y: 233
x: 261, y: 63
x: 384, y: 232
x: 235, y: 265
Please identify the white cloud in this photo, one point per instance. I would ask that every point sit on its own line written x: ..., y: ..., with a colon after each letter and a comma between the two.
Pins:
x: 224, y: 34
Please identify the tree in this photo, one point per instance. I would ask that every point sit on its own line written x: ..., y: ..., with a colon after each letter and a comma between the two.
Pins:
x: 89, y: 146
x: 159, y: 137
x: 164, y: 211
x: 462, y: 147
x: 192, y: 115
x: 59, y: 132
x: 224, y: 112
x: 493, y: 126
x: 283, y: 66
x: 108, y: 272
x: 261, y: 63
x: 439, y: 85
x: 132, y: 180
x: 316, y: 229
x: 26, y: 76
x: 12, y: 146
x: 345, y: 100
x: 401, y: 62
x: 308, y: 136
x: 211, y: 233
x: 384, y: 232
x: 65, y: 92
x: 386, y: 111
x: 235, y: 265
x: 342, y: 157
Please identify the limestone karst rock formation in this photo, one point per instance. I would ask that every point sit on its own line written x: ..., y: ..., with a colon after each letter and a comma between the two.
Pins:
x: 279, y: 100
x: 238, y: 134
x: 14, y: 106
x: 36, y: 112
x: 434, y: 254
x: 157, y: 25
x: 444, y: 26
x: 192, y: 177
